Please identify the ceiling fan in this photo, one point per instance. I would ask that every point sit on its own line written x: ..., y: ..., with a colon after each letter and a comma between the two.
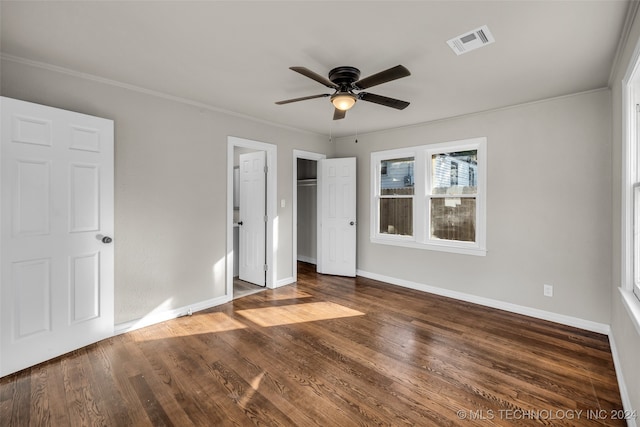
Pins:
x: 346, y: 80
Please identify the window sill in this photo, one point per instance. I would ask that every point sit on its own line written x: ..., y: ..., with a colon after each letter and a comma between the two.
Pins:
x: 632, y: 304
x: 469, y: 250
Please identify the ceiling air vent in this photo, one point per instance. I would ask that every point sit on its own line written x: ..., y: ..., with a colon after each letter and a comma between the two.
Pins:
x: 471, y: 40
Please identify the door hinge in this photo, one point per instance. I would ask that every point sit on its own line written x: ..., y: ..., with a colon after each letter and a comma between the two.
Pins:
x: 266, y: 169
x: 266, y: 267
x: 266, y: 218
x: 637, y: 108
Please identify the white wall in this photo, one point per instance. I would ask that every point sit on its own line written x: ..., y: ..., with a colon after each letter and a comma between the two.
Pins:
x: 548, y: 207
x: 170, y: 179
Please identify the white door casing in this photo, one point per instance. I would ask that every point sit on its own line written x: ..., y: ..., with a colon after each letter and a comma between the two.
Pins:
x: 56, y: 272
x: 337, y: 216
x: 252, y: 217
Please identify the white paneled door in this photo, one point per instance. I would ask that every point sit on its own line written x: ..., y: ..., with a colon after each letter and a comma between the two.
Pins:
x: 337, y: 216
x: 253, y: 220
x: 56, y: 228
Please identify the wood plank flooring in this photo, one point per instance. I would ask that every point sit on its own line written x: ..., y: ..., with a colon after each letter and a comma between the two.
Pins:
x: 328, y: 351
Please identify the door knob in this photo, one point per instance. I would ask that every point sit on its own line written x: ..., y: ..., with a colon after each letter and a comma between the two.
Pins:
x: 352, y: 223
x: 107, y: 239
x: 239, y: 222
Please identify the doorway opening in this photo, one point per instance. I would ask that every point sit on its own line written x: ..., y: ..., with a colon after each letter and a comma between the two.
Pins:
x: 305, y: 208
x: 256, y: 239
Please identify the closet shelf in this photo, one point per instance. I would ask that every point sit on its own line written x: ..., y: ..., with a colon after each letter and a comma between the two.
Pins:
x: 311, y: 181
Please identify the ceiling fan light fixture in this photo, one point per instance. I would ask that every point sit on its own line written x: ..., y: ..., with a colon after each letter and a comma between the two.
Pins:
x: 343, y: 100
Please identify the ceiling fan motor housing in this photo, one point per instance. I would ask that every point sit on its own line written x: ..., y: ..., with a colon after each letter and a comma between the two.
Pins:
x: 344, y: 76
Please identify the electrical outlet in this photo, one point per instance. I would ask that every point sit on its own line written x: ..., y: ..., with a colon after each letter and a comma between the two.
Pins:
x: 548, y: 290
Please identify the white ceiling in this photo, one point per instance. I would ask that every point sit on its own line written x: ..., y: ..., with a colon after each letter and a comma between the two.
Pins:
x: 235, y: 55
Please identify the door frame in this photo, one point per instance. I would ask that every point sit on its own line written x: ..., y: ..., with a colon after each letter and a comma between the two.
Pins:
x: 271, y: 151
x: 307, y: 155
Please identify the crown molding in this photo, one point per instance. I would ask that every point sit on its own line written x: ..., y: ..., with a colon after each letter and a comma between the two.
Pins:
x: 143, y: 90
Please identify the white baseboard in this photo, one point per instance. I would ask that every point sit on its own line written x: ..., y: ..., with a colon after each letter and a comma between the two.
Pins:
x: 284, y: 282
x: 488, y: 302
x: 307, y: 259
x: 165, y: 315
x: 624, y: 394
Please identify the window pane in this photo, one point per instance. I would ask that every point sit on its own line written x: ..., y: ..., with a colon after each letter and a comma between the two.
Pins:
x: 453, y: 218
x: 396, y: 176
x: 396, y: 216
x: 455, y: 173
x: 636, y: 238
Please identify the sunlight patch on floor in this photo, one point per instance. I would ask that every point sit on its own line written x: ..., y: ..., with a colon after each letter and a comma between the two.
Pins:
x: 298, y: 313
x: 255, y: 384
x: 287, y: 292
x: 201, y: 323
x: 215, y: 322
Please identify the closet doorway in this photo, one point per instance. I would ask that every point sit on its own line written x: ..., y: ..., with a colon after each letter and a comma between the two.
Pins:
x: 305, y: 214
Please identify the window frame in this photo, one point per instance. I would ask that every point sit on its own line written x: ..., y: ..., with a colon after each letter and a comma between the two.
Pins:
x: 422, y: 196
x: 629, y: 290
x: 630, y: 195
x: 377, y: 196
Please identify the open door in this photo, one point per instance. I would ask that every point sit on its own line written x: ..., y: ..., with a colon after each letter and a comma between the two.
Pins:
x: 57, y: 266
x: 252, y: 218
x: 337, y: 216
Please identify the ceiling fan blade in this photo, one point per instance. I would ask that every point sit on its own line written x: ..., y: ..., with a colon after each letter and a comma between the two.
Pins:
x: 304, y: 98
x: 339, y: 114
x: 383, y: 100
x: 314, y: 76
x: 394, y: 73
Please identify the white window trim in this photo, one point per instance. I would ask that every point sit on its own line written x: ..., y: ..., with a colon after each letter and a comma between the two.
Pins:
x: 420, y: 239
x: 375, y: 199
x: 630, y: 87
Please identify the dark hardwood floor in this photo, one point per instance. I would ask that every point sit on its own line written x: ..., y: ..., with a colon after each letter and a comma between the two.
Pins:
x: 328, y: 351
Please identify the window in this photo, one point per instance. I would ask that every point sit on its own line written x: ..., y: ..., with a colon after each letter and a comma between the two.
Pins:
x: 633, y: 203
x: 395, y: 197
x: 431, y: 197
x: 452, y: 196
x: 635, y: 180
x: 630, y: 200
x: 636, y: 239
